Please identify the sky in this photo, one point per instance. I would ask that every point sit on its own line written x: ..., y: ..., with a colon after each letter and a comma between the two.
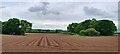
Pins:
x: 51, y: 14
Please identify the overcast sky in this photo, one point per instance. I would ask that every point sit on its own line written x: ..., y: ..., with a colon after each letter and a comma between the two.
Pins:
x: 51, y: 14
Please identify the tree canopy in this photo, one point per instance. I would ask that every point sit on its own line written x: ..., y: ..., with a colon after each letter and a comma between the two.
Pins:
x: 0, y: 27
x: 104, y: 27
x: 15, y: 26
x: 71, y: 27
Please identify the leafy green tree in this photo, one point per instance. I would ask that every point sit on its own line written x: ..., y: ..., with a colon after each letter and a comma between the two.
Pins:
x: 83, y: 33
x: 71, y: 27
x: 86, y: 24
x: 106, y: 27
x: 0, y: 27
x: 3, y: 27
x: 25, y: 26
x: 0, y: 23
x: 93, y: 23
x: 16, y: 26
x: 11, y: 26
x: 92, y: 32
x: 83, y: 26
x: 78, y: 28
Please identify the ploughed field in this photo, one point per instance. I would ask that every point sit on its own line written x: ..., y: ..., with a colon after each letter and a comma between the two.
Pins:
x: 48, y: 42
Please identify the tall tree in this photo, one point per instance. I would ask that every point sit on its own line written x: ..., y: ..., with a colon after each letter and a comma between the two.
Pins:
x: 93, y: 23
x: 11, y: 26
x: 106, y: 27
x: 83, y: 26
x: 25, y: 26
x: 16, y: 26
x: 0, y: 27
x: 71, y: 27
x: 78, y: 28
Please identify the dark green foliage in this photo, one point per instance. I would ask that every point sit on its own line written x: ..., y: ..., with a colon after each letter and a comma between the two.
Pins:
x: 11, y: 26
x: 85, y: 25
x: 0, y: 27
x: 15, y: 26
x: 45, y: 31
x: 102, y: 27
x: 71, y: 27
x: 70, y: 33
x: 58, y: 31
x: 78, y: 28
x: 83, y: 32
x: 117, y: 33
x: 106, y: 27
x: 25, y: 26
x: 93, y: 23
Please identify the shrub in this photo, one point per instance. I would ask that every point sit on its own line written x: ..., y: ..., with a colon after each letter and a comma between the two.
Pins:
x: 70, y: 33
x: 92, y: 32
x: 89, y: 32
x: 82, y: 32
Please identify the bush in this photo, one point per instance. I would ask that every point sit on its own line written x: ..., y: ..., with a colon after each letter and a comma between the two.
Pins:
x: 69, y: 33
x: 89, y: 32
x: 82, y: 32
x: 92, y: 32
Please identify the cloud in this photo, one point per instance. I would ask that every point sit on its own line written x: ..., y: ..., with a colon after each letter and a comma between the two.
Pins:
x: 61, y: 0
x: 43, y: 9
x: 91, y: 11
x: 2, y: 7
x: 55, y: 15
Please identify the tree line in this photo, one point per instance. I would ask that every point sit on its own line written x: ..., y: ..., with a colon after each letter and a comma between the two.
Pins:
x: 15, y: 26
x: 93, y: 27
x: 46, y: 31
x: 88, y: 27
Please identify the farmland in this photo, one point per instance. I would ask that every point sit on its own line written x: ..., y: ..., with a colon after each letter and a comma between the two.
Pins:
x: 50, y: 42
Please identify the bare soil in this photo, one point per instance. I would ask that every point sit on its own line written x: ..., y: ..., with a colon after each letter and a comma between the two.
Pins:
x: 48, y: 42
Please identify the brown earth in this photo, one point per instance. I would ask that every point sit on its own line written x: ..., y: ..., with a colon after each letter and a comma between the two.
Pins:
x: 45, y: 42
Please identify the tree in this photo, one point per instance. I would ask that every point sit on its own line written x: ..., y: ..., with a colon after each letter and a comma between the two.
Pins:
x: 93, y: 23
x: 71, y: 27
x: 78, y: 28
x: 83, y: 32
x: 3, y: 27
x: 83, y: 26
x: 106, y: 27
x: 16, y: 26
x: 86, y: 24
x: 0, y: 27
x: 25, y: 26
x: 11, y: 26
